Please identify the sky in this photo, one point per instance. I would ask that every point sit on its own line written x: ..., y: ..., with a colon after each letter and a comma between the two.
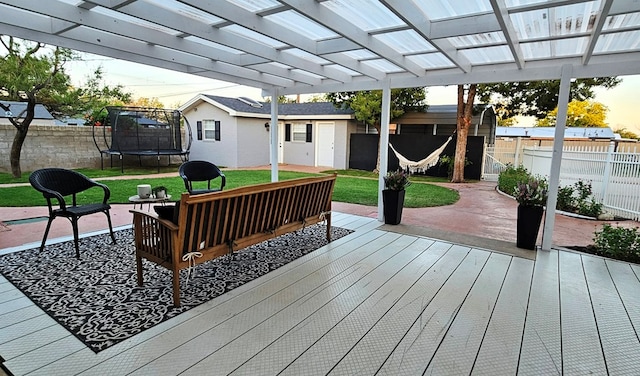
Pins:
x: 174, y: 88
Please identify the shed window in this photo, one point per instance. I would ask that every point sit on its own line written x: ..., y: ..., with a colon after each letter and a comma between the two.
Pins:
x: 301, y: 132
x: 211, y: 129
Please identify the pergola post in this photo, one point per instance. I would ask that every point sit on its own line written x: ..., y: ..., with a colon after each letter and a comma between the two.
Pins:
x: 556, y: 159
x: 273, y: 155
x: 385, y: 115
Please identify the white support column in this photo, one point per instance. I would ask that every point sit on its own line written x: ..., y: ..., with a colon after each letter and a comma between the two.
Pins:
x: 384, y: 144
x: 273, y: 128
x: 556, y: 159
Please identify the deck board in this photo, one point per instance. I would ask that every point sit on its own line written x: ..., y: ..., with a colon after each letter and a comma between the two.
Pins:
x: 299, y: 326
x: 412, y: 354
x: 457, y: 352
x: 541, y: 350
x: 619, y: 340
x: 581, y: 350
x: 327, y: 351
x: 628, y: 286
x: 372, y: 302
x: 500, y: 348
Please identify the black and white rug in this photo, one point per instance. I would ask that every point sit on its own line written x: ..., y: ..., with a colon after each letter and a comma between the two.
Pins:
x: 97, y: 297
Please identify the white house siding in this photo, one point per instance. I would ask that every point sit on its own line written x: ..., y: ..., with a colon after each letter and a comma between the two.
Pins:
x: 253, y: 142
x: 221, y: 153
x: 300, y: 152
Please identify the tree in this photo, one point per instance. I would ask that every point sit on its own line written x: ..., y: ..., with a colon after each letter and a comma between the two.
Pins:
x: 466, y: 97
x: 146, y: 102
x: 579, y: 114
x: 29, y: 73
x: 624, y: 133
x: 537, y: 98
x: 34, y: 73
x: 367, y: 106
x: 94, y: 96
x: 282, y: 99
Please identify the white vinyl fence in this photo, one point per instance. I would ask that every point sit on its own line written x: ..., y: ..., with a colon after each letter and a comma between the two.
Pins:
x: 614, y: 176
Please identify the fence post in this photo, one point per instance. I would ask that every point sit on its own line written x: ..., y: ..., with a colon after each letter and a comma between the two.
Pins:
x: 484, y: 160
x: 607, y: 172
x: 516, y: 157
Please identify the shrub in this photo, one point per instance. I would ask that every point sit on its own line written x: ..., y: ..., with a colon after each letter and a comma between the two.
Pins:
x: 566, y: 201
x: 510, y: 177
x: 618, y: 242
x: 577, y: 198
x: 448, y: 161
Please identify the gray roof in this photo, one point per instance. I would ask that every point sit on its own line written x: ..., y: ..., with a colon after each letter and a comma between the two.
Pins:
x: 17, y: 107
x: 312, y: 108
x: 549, y: 132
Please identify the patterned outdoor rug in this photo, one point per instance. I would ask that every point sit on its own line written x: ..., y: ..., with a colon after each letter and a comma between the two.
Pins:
x: 97, y: 297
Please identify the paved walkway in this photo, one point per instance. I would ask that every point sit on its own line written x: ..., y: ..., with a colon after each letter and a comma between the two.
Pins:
x: 481, y: 212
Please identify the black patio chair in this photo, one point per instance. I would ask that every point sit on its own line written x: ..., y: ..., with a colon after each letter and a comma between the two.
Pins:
x: 199, y: 171
x: 56, y: 184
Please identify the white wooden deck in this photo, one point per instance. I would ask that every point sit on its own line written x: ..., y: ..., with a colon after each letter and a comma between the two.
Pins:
x: 373, y: 302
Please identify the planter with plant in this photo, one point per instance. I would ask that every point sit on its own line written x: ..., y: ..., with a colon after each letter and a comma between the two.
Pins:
x: 395, y: 183
x: 531, y: 196
x: 160, y: 191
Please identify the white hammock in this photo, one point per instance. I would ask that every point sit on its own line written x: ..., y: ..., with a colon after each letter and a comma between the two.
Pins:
x: 423, y: 164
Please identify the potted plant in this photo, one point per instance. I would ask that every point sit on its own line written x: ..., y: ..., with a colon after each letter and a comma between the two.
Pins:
x: 395, y: 183
x: 159, y: 191
x: 531, y: 196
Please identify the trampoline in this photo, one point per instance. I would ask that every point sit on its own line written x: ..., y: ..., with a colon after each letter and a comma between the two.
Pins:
x: 142, y: 132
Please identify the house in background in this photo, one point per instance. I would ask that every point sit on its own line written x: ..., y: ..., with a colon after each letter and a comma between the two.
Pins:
x: 41, y: 116
x: 235, y: 132
x: 440, y: 120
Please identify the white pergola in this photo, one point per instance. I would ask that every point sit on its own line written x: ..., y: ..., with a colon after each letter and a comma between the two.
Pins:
x: 318, y: 46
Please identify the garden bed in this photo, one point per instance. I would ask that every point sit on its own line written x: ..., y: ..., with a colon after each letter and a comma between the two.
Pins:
x: 593, y: 250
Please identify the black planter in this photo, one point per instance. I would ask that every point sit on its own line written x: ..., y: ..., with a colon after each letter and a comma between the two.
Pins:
x: 392, y: 201
x: 529, y: 219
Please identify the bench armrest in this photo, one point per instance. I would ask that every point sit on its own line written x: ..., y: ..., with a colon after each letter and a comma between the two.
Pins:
x: 153, y: 217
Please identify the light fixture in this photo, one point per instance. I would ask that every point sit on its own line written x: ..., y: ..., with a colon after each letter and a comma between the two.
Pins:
x: 266, y: 126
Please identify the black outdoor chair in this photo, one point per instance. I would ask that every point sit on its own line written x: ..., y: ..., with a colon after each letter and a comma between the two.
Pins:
x: 56, y: 184
x: 200, y: 171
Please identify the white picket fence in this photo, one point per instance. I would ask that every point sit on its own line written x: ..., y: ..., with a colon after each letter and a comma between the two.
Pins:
x: 614, y: 176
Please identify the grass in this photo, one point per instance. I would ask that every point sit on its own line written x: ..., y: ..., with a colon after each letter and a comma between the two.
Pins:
x: 350, y: 187
x: 7, y: 178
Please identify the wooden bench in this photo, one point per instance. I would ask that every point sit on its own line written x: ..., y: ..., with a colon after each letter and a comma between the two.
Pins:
x: 214, y: 224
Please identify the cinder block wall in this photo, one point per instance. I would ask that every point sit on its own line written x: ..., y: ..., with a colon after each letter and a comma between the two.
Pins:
x: 51, y: 146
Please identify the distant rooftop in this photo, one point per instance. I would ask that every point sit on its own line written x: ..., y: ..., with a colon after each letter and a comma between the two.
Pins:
x: 17, y: 107
x: 549, y: 132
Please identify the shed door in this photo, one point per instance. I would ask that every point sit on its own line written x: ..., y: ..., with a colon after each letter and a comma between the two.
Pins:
x: 280, y: 143
x: 325, y: 144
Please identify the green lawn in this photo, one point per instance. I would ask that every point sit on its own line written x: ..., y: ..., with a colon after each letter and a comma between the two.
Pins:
x: 360, y: 189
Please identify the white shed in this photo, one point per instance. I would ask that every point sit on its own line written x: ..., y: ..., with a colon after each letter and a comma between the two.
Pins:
x: 234, y: 132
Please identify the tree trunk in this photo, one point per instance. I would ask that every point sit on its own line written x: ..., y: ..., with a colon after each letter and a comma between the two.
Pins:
x: 464, y: 113
x: 460, y: 155
x: 22, y: 128
x: 16, y: 148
